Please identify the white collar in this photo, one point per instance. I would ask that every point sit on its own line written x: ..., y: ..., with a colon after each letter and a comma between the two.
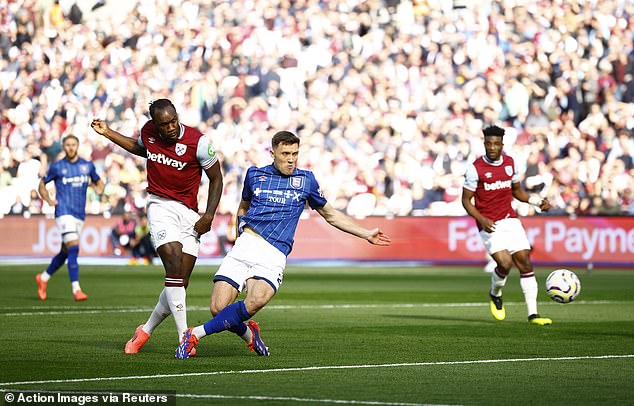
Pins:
x: 494, y: 163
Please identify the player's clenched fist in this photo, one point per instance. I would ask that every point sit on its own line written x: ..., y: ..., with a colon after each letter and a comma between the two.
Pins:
x: 99, y: 126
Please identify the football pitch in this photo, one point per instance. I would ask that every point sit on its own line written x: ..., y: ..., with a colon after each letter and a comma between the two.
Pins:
x: 342, y: 335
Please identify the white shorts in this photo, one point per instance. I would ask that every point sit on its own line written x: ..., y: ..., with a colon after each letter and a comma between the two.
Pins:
x: 171, y: 221
x: 252, y: 258
x: 509, y: 235
x: 69, y: 227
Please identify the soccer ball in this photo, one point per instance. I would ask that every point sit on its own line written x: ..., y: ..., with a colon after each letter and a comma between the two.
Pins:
x: 563, y: 286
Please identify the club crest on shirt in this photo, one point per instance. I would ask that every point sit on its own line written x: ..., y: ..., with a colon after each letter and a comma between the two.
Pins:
x: 83, y: 168
x: 180, y: 149
x: 509, y: 170
x: 297, y: 182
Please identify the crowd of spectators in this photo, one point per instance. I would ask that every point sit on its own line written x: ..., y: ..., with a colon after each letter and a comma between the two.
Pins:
x: 388, y: 97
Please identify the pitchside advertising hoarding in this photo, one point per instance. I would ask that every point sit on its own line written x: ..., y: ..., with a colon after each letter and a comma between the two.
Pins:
x: 557, y: 240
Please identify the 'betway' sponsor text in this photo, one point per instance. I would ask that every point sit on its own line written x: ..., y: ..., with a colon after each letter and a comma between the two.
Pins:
x: 500, y: 184
x: 162, y: 159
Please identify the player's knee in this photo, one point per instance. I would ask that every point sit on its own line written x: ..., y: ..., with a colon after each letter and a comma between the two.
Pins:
x: 505, y: 267
x: 525, y: 268
x: 255, y: 303
x: 216, y: 305
x: 215, y: 308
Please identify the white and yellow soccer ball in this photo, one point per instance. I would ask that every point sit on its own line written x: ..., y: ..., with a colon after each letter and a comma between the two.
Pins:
x: 563, y: 286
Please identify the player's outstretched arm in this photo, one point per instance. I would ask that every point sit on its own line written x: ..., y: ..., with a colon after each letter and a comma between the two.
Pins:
x: 128, y: 143
x: 345, y: 223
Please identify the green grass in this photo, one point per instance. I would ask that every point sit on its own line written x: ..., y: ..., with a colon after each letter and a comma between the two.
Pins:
x: 357, y: 335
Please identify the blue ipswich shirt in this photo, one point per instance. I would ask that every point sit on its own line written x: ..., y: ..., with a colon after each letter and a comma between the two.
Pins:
x: 277, y: 201
x: 71, y: 181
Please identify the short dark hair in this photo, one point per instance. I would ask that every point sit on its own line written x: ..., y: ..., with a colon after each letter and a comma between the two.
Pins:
x: 284, y: 137
x: 69, y: 137
x: 160, y: 104
x: 493, y: 130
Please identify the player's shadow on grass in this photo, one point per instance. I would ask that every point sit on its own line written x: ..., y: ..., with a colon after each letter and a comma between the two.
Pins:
x: 428, y: 317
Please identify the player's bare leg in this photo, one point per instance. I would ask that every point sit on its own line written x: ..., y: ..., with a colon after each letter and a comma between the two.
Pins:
x: 187, y: 265
x: 222, y: 296
x: 259, y: 293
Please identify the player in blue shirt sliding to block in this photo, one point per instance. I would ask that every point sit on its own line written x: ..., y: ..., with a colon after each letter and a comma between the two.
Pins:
x: 71, y: 176
x: 273, y: 198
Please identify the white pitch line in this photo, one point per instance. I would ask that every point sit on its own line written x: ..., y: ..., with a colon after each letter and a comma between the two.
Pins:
x: 242, y: 397
x: 310, y: 400
x: 129, y: 309
x: 316, y: 368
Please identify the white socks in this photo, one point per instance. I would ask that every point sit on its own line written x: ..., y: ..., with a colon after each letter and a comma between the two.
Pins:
x: 45, y: 276
x: 529, y: 288
x: 497, y: 283
x: 199, y: 332
x: 175, y: 296
x: 528, y: 285
x: 160, y: 313
x: 74, y: 286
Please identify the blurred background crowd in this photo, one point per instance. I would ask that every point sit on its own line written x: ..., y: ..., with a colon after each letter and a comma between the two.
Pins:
x: 388, y: 97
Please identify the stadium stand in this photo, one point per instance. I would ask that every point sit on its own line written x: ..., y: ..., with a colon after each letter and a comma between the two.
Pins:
x: 389, y: 98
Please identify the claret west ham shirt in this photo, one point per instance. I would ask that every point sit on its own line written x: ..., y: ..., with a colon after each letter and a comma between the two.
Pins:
x: 174, y: 168
x: 491, y: 182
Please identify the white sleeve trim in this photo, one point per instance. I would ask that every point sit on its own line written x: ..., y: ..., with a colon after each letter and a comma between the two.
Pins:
x: 205, y: 153
x: 471, y: 178
x: 516, y: 173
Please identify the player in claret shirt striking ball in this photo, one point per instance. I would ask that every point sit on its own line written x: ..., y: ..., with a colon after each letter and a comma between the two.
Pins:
x: 176, y: 156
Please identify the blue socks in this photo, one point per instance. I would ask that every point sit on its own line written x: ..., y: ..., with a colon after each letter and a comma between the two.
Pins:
x: 73, y: 267
x: 229, y: 318
x: 239, y: 329
x: 57, y: 262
